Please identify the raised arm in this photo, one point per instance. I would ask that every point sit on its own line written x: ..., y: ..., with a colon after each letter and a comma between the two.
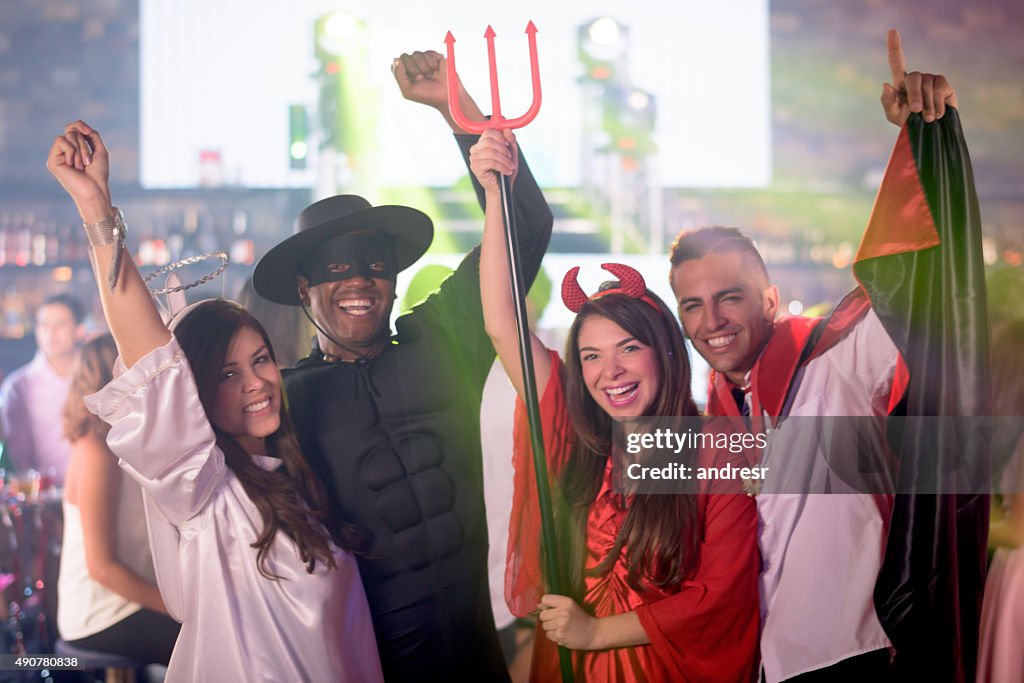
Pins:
x: 80, y: 162
x: 928, y: 94
x: 497, y: 153
x: 99, y: 489
x: 923, y: 245
x: 421, y: 77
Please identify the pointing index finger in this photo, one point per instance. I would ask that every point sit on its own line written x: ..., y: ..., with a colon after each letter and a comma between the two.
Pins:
x: 897, y: 62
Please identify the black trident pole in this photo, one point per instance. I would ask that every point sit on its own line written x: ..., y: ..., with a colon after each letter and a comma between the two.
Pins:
x: 532, y: 400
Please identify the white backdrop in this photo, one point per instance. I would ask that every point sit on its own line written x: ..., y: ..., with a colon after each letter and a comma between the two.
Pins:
x: 219, y: 75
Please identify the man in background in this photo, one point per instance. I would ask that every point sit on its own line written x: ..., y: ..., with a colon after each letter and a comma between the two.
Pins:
x: 33, y: 396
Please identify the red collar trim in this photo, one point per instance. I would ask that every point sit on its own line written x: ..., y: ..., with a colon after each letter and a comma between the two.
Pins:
x: 772, y: 374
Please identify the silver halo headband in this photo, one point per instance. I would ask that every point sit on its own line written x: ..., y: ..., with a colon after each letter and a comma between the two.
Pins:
x: 170, y: 267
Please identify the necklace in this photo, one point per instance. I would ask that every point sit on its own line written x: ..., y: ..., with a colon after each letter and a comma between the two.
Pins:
x: 328, y: 358
x: 751, y: 486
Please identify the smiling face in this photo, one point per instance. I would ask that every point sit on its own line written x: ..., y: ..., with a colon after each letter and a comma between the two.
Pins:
x: 355, y: 311
x: 727, y: 308
x: 620, y: 372
x: 247, y: 400
x: 350, y: 287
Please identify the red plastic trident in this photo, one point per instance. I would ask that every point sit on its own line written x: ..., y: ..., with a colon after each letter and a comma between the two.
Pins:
x: 496, y: 120
x: 551, y: 565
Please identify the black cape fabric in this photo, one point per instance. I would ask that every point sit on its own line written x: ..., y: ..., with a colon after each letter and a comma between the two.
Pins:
x: 397, y: 440
x: 932, y: 303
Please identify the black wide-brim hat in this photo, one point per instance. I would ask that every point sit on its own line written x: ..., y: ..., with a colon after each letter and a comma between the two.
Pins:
x: 412, y: 231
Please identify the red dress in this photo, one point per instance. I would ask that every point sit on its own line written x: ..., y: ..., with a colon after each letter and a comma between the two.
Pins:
x: 705, y: 629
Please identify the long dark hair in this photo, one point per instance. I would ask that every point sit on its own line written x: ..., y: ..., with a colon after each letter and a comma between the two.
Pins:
x: 661, y: 533
x: 291, y: 500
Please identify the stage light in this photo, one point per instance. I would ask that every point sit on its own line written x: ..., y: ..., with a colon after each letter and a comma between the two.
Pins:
x: 336, y: 32
x: 604, y: 32
x: 340, y: 25
x: 346, y: 115
x: 629, y: 116
x: 298, y: 131
x: 602, y: 45
x: 638, y: 100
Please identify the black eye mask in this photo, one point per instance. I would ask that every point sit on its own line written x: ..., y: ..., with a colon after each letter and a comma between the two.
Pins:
x: 360, y: 254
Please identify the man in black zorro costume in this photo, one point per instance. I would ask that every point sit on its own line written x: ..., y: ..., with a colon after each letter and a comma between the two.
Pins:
x: 391, y: 421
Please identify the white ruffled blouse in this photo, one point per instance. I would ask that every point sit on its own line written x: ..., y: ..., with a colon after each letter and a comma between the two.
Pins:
x: 236, y: 624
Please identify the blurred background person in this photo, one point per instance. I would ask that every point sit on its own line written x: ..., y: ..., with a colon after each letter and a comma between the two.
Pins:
x: 108, y: 598
x: 291, y: 334
x: 32, y: 397
x: 1002, y: 618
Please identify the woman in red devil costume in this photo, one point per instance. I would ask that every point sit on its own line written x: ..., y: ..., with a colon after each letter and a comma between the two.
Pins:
x: 662, y: 587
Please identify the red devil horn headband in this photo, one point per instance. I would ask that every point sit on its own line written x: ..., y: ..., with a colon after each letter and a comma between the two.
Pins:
x: 631, y: 283
x: 573, y: 295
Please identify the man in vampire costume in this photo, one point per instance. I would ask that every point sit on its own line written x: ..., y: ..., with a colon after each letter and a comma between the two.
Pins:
x: 868, y: 587
x: 391, y: 421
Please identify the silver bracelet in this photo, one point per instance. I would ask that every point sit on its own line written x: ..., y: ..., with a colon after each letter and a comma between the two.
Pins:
x: 110, y: 231
x: 105, y: 232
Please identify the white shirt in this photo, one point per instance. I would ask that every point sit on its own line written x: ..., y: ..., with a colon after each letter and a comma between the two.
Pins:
x: 822, y: 552
x: 497, y: 418
x: 31, y: 405
x: 86, y: 606
x: 236, y: 624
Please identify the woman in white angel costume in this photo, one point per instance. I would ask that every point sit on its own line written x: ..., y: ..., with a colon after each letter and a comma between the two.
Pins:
x: 245, y: 555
